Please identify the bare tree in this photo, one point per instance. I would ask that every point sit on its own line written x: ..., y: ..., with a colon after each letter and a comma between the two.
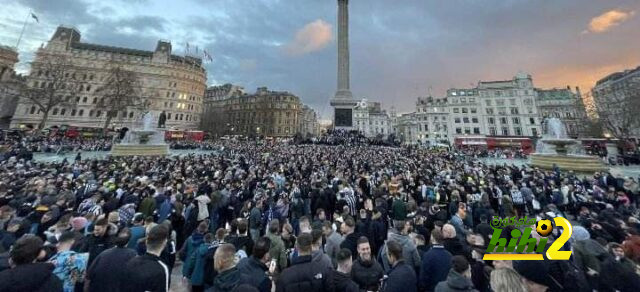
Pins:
x: 121, y: 91
x: 53, y: 83
x: 617, y: 109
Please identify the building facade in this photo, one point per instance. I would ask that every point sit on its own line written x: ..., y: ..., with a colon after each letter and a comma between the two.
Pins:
x: 213, y: 118
x: 564, y: 104
x: 169, y: 83
x: 432, y: 117
x: 264, y: 113
x: 309, y: 126
x: 617, y: 98
x: 10, y: 85
x: 370, y: 119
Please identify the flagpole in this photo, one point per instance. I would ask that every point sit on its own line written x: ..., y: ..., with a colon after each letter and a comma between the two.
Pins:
x: 24, y: 26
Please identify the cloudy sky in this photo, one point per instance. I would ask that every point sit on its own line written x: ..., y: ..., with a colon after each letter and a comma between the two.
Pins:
x: 400, y: 49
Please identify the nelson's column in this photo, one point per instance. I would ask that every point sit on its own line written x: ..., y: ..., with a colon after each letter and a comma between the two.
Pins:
x: 343, y: 102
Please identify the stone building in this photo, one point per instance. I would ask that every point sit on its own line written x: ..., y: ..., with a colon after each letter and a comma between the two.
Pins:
x: 495, y: 108
x: 370, y: 119
x: 264, y: 113
x: 432, y: 117
x: 171, y: 83
x: 10, y: 85
x: 564, y: 104
x: 309, y: 125
x: 213, y: 118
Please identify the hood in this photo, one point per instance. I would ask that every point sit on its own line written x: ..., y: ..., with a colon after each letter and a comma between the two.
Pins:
x: 37, y: 274
x: 457, y: 282
x: 402, y: 239
x: 227, y: 280
x: 197, y: 238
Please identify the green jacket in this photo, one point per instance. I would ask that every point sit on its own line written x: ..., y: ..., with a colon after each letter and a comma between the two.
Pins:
x: 147, y: 206
x: 277, y: 251
x: 399, y: 209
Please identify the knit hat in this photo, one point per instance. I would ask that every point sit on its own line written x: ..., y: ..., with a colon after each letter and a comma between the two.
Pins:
x: 579, y: 233
x: 535, y: 271
x: 78, y: 223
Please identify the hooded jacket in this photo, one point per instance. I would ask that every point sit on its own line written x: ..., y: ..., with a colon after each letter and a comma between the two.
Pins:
x: 226, y: 281
x: 410, y: 253
x: 256, y: 272
x: 455, y: 282
x: 34, y: 277
x: 401, y: 278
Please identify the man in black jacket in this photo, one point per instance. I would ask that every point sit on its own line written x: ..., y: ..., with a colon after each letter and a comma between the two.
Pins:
x: 350, y: 241
x: 304, y: 274
x: 147, y: 272
x: 366, y: 272
x: 26, y: 274
x: 402, y: 277
x: 341, y: 277
x: 96, y: 242
x: 255, y: 266
x: 101, y: 275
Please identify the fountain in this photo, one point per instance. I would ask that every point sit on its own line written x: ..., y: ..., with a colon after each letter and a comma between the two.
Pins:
x: 145, y: 141
x: 556, y: 149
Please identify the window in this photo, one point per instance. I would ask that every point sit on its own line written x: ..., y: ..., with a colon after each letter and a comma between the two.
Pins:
x: 502, y: 111
x: 472, y: 99
x: 492, y: 131
x: 532, y: 121
x: 534, y: 131
x: 516, y: 121
x: 63, y: 111
x: 456, y: 110
x: 474, y: 120
x: 490, y: 111
x: 466, y: 120
x: 530, y: 110
x: 505, y: 131
x: 474, y: 110
x: 95, y: 100
x: 491, y: 121
x: 503, y: 121
x: 476, y: 130
x: 84, y: 99
x: 514, y: 110
x: 464, y: 110
x: 518, y: 131
x: 498, y: 93
x: 80, y: 113
x: 33, y: 110
x: 168, y: 116
x: 500, y: 102
x: 55, y: 112
x: 467, y: 130
x: 458, y: 130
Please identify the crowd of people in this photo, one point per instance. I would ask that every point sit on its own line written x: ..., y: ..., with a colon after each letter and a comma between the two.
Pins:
x: 265, y: 217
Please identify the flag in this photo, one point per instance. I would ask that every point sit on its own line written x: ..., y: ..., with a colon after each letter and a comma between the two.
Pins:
x: 207, y: 56
x: 34, y: 17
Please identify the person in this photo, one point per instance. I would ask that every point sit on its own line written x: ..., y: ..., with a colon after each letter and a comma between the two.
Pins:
x: 196, y: 268
x: 277, y: 250
x: 334, y: 240
x: 256, y: 266
x: 147, y: 272
x: 191, y: 245
x: 342, y: 275
x: 400, y: 234
x: 535, y: 275
x: 436, y: 263
x: 98, y: 241
x: 366, y: 272
x: 350, y: 236
x: 506, y: 280
x: 317, y: 253
x: 25, y: 273
x: 305, y: 274
x: 401, y: 277
x: 241, y: 240
x: 101, y: 275
x: 137, y: 231
x: 459, y: 277
x: 457, y: 220
x: 255, y: 220
x: 228, y: 277
x: 69, y: 265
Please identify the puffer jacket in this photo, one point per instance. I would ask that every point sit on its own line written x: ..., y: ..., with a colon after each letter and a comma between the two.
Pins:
x: 455, y: 283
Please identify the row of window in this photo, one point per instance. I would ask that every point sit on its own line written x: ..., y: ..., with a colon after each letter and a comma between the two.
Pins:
x: 98, y: 114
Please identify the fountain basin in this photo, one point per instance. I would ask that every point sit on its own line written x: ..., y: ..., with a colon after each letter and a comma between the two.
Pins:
x: 577, y: 163
x: 139, y: 150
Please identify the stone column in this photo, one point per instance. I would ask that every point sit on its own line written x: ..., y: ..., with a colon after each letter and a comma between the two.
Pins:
x: 343, y: 50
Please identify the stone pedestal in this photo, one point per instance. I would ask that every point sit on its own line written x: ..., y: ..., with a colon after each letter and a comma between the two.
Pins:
x: 612, y: 151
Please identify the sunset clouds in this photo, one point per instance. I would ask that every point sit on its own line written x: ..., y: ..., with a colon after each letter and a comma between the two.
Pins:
x: 608, y: 20
x: 312, y: 37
